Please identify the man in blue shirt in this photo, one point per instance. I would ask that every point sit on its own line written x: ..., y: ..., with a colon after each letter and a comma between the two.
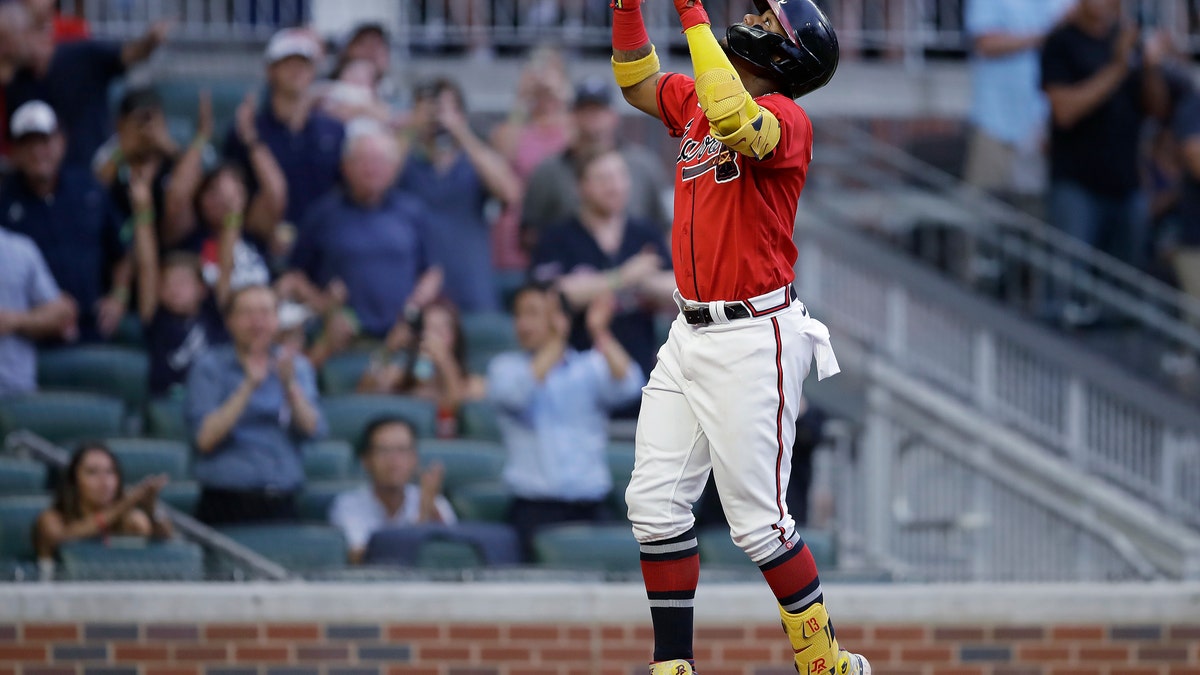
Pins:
x: 306, y: 143
x: 74, y: 77
x: 70, y: 218
x: 367, y: 235
x: 31, y: 308
x: 249, y: 406
x: 554, y: 405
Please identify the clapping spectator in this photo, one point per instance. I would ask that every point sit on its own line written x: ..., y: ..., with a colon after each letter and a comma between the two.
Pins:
x: 553, y: 196
x: 602, y: 249
x: 74, y: 78
x: 351, y: 93
x: 92, y: 501
x: 304, y: 142
x: 455, y: 173
x: 71, y: 219
x: 389, y: 454
x: 428, y: 359
x: 31, y: 309
x: 553, y: 405
x: 365, y: 235
x: 249, y: 407
x: 179, y: 314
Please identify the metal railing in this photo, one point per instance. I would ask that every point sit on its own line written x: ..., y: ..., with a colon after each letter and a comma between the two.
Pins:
x: 1080, y: 409
x: 907, y: 29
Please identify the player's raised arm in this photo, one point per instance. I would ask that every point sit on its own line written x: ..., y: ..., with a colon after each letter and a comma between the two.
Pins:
x: 634, y: 62
x: 733, y: 116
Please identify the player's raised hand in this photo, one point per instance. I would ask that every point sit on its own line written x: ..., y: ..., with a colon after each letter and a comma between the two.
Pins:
x: 691, y: 13
x: 625, y: 4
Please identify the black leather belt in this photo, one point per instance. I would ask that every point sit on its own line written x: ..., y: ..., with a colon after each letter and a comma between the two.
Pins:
x: 702, y: 316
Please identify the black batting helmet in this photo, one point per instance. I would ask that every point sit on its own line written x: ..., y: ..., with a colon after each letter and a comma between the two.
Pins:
x: 802, y: 62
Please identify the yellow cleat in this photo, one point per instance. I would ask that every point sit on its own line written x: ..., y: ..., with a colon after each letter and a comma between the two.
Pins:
x: 676, y: 667
x: 817, y: 651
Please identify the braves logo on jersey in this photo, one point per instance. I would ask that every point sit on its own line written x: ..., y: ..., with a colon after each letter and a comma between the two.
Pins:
x: 699, y: 157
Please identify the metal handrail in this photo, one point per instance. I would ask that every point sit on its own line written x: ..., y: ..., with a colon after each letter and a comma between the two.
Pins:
x: 193, y: 529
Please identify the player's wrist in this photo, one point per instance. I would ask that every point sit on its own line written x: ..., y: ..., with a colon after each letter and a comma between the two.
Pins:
x: 628, y: 28
x: 691, y: 14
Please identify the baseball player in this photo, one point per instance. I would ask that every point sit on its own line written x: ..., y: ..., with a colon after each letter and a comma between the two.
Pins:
x: 724, y: 395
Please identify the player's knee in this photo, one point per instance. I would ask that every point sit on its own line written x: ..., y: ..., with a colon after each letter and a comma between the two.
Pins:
x: 654, y: 519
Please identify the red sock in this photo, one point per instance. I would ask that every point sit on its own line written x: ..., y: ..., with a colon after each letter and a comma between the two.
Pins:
x: 671, y: 570
x: 793, y: 578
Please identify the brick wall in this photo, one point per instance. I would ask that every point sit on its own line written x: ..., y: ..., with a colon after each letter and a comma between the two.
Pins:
x: 578, y: 649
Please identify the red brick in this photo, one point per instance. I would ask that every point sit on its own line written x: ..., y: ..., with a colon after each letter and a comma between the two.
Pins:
x: 720, y: 633
x: 530, y: 670
x: 201, y: 653
x: 1077, y: 670
x: 775, y: 632
x: 27, y: 653
x: 1162, y: 653
x: 407, y: 631
x: 905, y: 671
x: 499, y: 655
x: 58, y: 632
x: 293, y: 631
x: 958, y: 670
x: 561, y: 655
x: 170, y: 670
x: 248, y: 653
x: 710, y: 670
x: 577, y: 633
x: 126, y: 652
x: 1185, y: 632
x: 1077, y: 633
x: 875, y: 652
x: 744, y: 653
x: 231, y: 631
x: 475, y: 632
x: 1038, y: 653
x: 1016, y: 670
x: 902, y: 632
x: 954, y: 633
x: 519, y: 632
x: 643, y: 633
x: 437, y: 654
x: 612, y: 633
x: 1019, y: 633
x: 28, y: 669
x: 410, y: 669
x: 1184, y: 670
x: 8, y: 670
x: 926, y: 654
x: 847, y: 633
x: 704, y: 653
x: 1147, y: 670
x: 627, y: 655
x: 1104, y: 653
x: 337, y: 653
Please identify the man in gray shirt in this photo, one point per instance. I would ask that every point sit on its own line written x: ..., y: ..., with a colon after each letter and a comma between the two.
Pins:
x: 31, y: 308
x: 552, y: 196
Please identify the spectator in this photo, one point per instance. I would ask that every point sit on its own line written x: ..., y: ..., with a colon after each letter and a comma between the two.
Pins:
x: 1101, y: 84
x: 365, y: 235
x: 455, y: 173
x: 601, y: 249
x: 66, y: 27
x: 249, y: 407
x: 389, y: 454
x: 351, y: 94
x: 553, y: 197
x: 370, y: 42
x: 553, y: 405
x: 31, y: 309
x: 180, y: 317
x: 538, y: 127
x: 432, y: 365
x: 92, y: 501
x: 1008, y: 111
x: 73, y: 78
x: 304, y: 142
x: 15, y: 23
x: 71, y: 219
x: 1185, y: 258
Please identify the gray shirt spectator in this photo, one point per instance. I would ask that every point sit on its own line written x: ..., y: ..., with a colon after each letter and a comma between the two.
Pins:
x: 31, y: 306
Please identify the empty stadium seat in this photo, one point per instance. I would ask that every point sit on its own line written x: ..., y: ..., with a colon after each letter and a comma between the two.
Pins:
x: 341, y: 373
x: 620, y: 462
x: 299, y: 548
x: 131, y: 560
x: 331, y: 459
x: 607, y: 548
x: 181, y: 495
x: 316, y: 497
x: 495, y: 545
x: 477, y: 419
x: 119, y: 372
x: 349, y: 414
x: 141, y: 457
x: 441, y: 554
x: 62, y: 416
x: 164, y: 419
x: 17, y: 516
x: 466, y: 461
x: 487, y: 334
x: 485, y: 502
x: 21, y: 476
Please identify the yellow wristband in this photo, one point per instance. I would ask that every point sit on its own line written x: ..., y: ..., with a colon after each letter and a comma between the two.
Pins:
x: 232, y: 221
x: 629, y: 73
x: 143, y: 217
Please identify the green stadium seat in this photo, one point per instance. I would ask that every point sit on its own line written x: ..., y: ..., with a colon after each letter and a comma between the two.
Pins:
x: 341, y: 373
x: 299, y: 548
x: 129, y: 332
x: 22, y: 476
x: 62, y: 416
x: 487, y: 334
x: 17, y: 516
x: 440, y: 554
x: 620, y: 462
x: 349, y: 414
x: 717, y: 549
x: 488, y: 502
x: 466, y: 461
x: 181, y: 495
x: 164, y: 419
x: 317, y: 496
x: 131, y: 559
x: 477, y: 419
x: 607, y: 548
x: 328, y: 460
x: 507, y: 283
x: 141, y: 457
x: 114, y: 371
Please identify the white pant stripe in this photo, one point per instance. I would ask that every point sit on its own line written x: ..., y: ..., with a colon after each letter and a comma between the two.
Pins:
x: 668, y: 548
x: 672, y: 603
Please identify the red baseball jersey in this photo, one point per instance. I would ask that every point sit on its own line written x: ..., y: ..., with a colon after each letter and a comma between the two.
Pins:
x: 734, y: 215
